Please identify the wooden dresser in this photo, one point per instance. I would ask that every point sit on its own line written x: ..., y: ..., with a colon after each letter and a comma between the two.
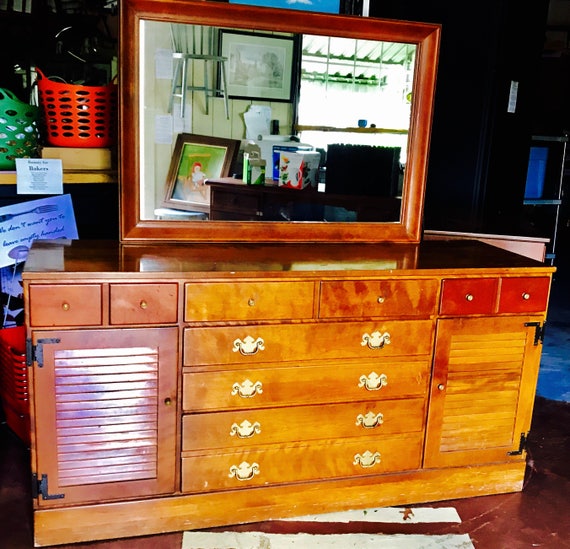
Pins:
x: 188, y: 386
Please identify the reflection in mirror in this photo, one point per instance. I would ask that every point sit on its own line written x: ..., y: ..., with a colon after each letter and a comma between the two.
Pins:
x: 350, y: 98
x: 340, y: 117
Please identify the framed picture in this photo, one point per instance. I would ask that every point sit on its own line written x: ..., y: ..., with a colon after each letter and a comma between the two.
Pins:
x: 195, y: 159
x: 259, y: 66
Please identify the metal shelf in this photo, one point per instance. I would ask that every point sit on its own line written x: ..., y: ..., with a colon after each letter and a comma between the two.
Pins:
x: 557, y: 195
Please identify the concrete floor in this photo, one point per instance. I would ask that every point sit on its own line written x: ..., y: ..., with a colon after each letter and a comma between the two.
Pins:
x: 539, y: 516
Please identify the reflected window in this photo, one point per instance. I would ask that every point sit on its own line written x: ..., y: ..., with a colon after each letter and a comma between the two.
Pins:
x: 344, y: 81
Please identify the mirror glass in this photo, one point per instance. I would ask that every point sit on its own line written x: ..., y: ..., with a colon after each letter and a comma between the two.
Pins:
x: 334, y: 123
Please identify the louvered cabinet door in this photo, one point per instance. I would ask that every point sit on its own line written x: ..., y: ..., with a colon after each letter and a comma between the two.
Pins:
x: 483, y: 388
x: 105, y: 414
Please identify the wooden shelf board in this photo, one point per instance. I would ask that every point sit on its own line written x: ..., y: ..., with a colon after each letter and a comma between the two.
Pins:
x: 76, y: 176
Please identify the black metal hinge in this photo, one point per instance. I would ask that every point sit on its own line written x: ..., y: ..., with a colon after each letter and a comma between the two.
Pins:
x: 40, y: 487
x: 522, y: 446
x: 538, y: 331
x: 36, y: 352
x: 29, y: 352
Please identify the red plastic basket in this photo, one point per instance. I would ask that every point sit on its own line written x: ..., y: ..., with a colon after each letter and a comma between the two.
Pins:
x: 78, y: 116
x: 14, y: 388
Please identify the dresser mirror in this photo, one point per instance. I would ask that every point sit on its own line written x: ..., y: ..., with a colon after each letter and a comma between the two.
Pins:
x: 170, y: 47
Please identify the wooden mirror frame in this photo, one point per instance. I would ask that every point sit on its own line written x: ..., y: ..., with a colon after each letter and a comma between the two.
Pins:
x: 220, y: 14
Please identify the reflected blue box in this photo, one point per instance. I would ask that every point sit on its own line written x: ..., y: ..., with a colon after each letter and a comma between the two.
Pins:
x: 536, y: 172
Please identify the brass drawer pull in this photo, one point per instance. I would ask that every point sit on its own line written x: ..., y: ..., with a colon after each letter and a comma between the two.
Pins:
x: 251, y: 302
x: 367, y: 459
x: 373, y: 382
x: 65, y: 306
x: 370, y: 420
x: 381, y: 299
x: 526, y: 296
x: 469, y: 297
x: 245, y: 429
x: 376, y: 340
x: 244, y: 471
x: 248, y: 346
x: 143, y: 304
x: 247, y: 389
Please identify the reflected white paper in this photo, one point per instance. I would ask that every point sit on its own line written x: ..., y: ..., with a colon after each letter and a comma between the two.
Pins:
x: 257, y: 121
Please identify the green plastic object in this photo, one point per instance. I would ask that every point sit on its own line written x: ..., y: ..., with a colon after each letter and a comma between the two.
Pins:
x: 19, y: 134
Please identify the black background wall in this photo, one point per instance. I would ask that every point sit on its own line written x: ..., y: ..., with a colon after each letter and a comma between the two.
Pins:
x: 479, y: 151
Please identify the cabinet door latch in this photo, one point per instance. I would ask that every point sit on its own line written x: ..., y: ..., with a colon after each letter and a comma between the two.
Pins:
x: 522, y: 446
x: 40, y: 487
x: 36, y: 352
x: 538, y: 331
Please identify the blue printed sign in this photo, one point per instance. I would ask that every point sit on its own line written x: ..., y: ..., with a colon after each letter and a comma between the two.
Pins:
x: 21, y: 224
x: 325, y: 6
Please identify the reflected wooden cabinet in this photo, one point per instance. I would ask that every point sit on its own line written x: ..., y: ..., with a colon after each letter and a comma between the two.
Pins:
x: 233, y: 200
x: 222, y: 384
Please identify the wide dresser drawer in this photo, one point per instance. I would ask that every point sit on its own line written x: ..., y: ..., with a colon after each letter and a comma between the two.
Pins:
x: 367, y: 298
x: 273, y: 465
x: 312, y: 341
x: 223, y: 301
x: 243, y: 428
x: 350, y: 381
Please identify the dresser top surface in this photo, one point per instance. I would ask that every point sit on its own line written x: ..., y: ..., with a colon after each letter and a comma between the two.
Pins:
x: 85, y: 257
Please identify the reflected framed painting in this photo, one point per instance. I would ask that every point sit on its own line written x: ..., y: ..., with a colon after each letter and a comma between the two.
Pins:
x: 195, y: 159
x: 259, y: 66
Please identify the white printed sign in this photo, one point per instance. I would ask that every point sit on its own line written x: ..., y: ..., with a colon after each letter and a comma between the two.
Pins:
x: 39, y: 176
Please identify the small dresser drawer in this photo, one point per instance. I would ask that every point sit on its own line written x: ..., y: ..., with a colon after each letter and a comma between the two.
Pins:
x: 366, y: 298
x: 314, y: 341
x: 283, y: 464
x: 143, y: 303
x: 65, y: 305
x: 469, y: 296
x: 245, y: 428
x: 330, y: 383
x: 228, y: 301
x: 524, y: 294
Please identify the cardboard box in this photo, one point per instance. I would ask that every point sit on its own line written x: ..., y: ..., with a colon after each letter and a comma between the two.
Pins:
x: 286, y: 147
x: 298, y: 170
x: 73, y: 158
